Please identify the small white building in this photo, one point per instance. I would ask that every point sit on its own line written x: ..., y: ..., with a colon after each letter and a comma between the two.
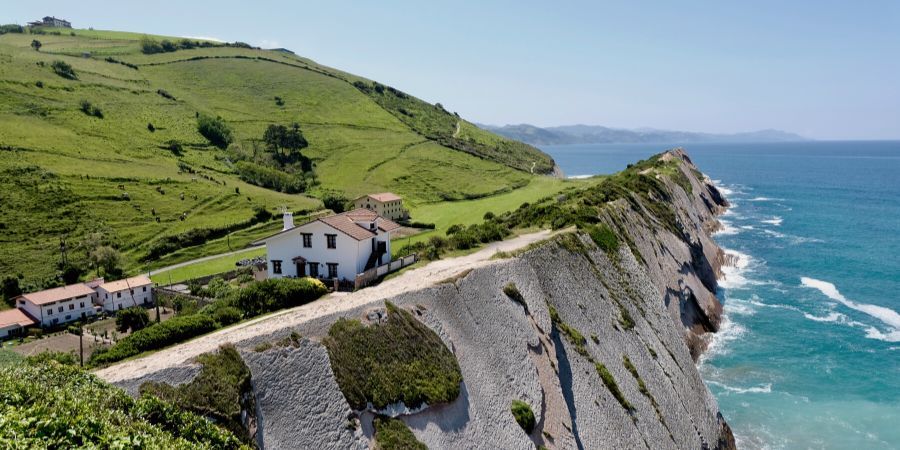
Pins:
x: 59, y: 305
x: 385, y: 204
x: 124, y: 293
x: 13, y: 323
x: 339, y: 247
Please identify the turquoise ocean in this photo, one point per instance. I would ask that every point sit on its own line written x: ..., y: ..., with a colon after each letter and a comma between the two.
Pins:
x: 809, y: 352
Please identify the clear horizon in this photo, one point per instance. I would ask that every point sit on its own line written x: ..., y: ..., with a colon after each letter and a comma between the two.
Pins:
x: 823, y: 70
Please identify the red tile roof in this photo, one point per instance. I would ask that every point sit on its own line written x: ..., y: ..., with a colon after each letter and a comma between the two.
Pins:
x: 126, y: 283
x: 15, y: 317
x: 384, y: 197
x: 346, y: 223
x: 57, y: 294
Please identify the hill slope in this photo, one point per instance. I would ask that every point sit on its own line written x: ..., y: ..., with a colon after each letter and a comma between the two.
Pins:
x: 66, y: 172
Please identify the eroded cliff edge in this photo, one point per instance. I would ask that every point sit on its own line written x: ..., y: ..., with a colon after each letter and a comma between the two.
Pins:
x: 601, y: 344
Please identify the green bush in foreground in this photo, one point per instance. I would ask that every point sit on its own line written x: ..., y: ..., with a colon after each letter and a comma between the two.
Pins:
x: 523, y: 414
x: 393, y: 434
x: 55, y: 406
x: 156, y: 336
x: 218, y: 392
x: 398, y: 360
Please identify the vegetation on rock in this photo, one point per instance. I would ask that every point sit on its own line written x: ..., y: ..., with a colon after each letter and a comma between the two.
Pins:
x: 393, y: 434
x: 398, y: 360
x: 523, y: 414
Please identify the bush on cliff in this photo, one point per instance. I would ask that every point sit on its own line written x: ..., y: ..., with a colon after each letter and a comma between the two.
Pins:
x: 219, y: 392
x: 393, y: 434
x: 400, y: 359
x: 604, y: 237
x: 523, y: 414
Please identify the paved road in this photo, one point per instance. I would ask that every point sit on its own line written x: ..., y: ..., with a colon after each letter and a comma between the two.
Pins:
x: 409, y: 280
x: 205, y: 258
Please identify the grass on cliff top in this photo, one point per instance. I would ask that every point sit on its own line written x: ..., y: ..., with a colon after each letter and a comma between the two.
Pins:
x: 217, y: 393
x: 393, y: 434
x: 400, y: 359
x: 55, y: 406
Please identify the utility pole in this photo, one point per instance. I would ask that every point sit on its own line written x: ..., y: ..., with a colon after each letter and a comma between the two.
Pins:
x: 81, y: 343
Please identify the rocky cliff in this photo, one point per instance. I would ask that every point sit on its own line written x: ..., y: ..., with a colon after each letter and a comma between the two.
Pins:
x: 597, y: 335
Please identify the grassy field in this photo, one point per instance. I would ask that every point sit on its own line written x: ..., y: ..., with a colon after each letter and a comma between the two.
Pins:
x: 201, y: 269
x: 67, y: 174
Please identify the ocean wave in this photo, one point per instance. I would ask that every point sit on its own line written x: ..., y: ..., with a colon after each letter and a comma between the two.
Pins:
x: 775, y: 220
x: 766, y: 199
x: 886, y: 315
x: 761, y: 389
x: 792, y: 239
x: 733, y: 271
x: 738, y: 306
x: 726, y: 229
x: 830, y: 317
x: 718, y: 343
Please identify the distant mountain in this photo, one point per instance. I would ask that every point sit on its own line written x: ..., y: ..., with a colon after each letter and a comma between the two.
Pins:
x: 595, y: 134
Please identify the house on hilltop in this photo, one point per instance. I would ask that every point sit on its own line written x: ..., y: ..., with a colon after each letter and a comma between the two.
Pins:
x: 337, y: 247
x: 51, y: 21
x: 59, y: 305
x: 386, y: 204
x: 124, y: 293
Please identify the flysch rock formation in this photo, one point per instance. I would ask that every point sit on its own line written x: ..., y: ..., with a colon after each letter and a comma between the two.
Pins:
x: 652, y: 308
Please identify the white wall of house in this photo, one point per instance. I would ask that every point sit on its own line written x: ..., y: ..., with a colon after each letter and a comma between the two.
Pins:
x: 11, y: 328
x: 285, y: 247
x: 115, y: 300
x: 62, y: 311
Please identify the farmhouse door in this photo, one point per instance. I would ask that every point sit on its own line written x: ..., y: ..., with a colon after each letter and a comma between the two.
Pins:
x: 301, y: 269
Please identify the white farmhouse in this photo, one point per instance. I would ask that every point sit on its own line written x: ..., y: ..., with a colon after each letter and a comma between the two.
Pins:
x: 334, y: 247
x: 13, y: 323
x: 119, y: 294
x: 59, y: 305
x: 385, y: 204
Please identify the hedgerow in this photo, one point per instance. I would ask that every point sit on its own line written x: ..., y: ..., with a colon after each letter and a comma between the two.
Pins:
x: 156, y: 336
x: 274, y: 294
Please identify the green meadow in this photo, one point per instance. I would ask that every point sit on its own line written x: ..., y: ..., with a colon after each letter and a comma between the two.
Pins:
x: 65, y: 174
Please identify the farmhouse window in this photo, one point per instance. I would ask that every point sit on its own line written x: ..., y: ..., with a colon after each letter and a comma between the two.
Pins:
x: 82, y: 305
x: 307, y: 240
x: 50, y: 312
x: 314, y: 269
x: 118, y: 295
x: 145, y: 289
x: 276, y: 266
x: 332, y: 270
x: 331, y: 239
x: 60, y: 309
x: 71, y: 306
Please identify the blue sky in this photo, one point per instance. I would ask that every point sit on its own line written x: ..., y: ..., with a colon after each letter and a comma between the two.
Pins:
x: 824, y: 69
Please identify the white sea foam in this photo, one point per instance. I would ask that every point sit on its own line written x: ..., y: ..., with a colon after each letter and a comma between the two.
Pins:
x: 830, y: 317
x: 727, y: 228
x: 718, y: 343
x: 733, y: 272
x: 886, y: 315
x: 579, y: 177
x: 775, y: 234
x: 775, y: 220
x: 762, y: 389
x: 766, y: 199
x: 738, y: 306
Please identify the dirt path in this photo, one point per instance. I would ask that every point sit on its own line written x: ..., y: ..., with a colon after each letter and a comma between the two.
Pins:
x: 336, y: 302
x: 456, y: 133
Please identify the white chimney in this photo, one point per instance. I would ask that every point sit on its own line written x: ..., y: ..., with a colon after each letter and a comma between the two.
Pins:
x: 288, y: 220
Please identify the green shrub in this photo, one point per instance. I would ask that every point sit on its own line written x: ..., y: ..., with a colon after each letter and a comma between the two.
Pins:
x: 11, y: 28
x: 55, y: 406
x: 156, y: 336
x: 218, y: 392
x: 393, y: 434
x: 524, y: 415
x: 90, y: 109
x: 64, y: 70
x: 215, y: 130
x: 277, y: 293
x: 335, y: 202
x: 397, y: 360
x: 512, y: 292
x: 150, y: 46
x: 604, y: 237
x: 271, y: 178
x: 134, y: 318
x: 64, y: 358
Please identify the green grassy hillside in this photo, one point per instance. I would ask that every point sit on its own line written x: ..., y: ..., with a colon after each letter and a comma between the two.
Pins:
x: 67, y: 172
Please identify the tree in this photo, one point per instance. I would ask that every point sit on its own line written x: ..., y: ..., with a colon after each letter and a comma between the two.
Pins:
x: 134, y: 318
x: 215, y: 130
x: 36, y: 45
x: 278, y: 137
x: 108, y: 259
x: 10, y: 288
x: 335, y: 202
